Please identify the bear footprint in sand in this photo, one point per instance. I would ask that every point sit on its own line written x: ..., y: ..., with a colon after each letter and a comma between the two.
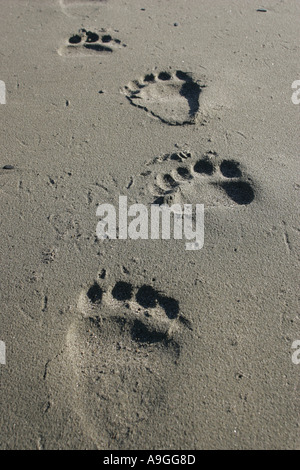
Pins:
x: 208, y: 180
x: 125, y: 351
x: 171, y: 97
x: 89, y: 43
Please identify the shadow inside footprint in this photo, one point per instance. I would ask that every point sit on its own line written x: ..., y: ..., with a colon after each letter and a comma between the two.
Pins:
x: 191, y: 92
x: 141, y: 334
x: 147, y: 297
x: 92, y: 37
x: 164, y: 76
x: 76, y: 39
x: 230, y: 169
x: 122, y: 291
x: 95, y: 293
x: 184, y: 173
x: 170, y: 306
x: 169, y: 181
x: 239, y: 191
x: 204, y: 166
x: 159, y: 201
x: 97, y: 47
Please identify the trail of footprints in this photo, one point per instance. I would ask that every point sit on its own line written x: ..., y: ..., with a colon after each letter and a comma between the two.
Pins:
x: 124, y: 344
x: 89, y: 43
x: 209, y: 180
x: 172, y: 97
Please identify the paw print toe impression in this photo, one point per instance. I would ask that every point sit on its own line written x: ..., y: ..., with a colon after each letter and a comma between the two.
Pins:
x: 89, y: 43
x: 207, y: 180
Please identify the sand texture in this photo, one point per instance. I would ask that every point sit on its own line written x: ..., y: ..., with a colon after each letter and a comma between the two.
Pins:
x: 142, y: 344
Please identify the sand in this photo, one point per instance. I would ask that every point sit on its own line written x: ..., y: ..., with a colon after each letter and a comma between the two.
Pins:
x: 141, y: 344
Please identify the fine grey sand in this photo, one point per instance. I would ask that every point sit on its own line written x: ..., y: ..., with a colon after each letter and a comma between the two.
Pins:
x: 141, y: 344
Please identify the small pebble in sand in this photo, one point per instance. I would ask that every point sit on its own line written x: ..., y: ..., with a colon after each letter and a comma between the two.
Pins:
x: 8, y: 167
x: 175, y: 24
